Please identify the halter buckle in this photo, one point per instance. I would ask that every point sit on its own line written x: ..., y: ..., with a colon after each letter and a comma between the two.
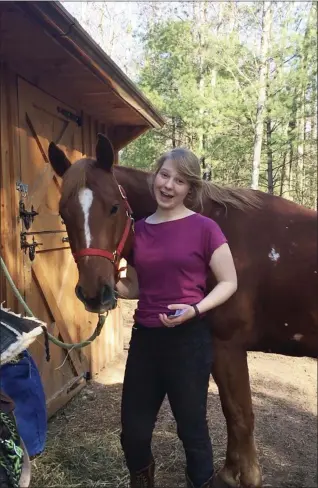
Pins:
x: 115, y: 257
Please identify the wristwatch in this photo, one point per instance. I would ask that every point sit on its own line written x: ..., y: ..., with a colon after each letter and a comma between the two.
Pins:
x: 197, y: 313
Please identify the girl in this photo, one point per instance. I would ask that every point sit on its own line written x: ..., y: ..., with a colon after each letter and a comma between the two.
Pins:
x: 171, y: 350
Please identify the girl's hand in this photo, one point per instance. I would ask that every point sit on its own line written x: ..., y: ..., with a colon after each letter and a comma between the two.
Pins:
x: 171, y: 320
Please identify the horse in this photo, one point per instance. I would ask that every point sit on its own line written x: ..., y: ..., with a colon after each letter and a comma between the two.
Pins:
x: 273, y: 242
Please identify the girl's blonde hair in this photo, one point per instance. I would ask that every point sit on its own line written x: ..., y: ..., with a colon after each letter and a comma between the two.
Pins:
x: 188, y: 165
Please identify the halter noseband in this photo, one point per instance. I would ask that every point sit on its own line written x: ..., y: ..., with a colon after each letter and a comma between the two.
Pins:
x: 113, y: 257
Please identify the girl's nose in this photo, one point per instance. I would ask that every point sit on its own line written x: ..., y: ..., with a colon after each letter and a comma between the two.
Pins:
x: 169, y: 183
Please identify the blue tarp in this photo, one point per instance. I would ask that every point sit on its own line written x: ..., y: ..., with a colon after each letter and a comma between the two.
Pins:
x: 21, y: 381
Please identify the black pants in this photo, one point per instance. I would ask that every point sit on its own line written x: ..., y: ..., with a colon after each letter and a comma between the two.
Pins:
x: 177, y: 362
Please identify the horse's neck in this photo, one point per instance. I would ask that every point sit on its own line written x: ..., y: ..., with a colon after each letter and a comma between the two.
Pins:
x: 136, y: 186
x: 137, y: 189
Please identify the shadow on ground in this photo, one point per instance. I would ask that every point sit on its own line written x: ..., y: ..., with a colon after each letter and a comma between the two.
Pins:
x: 83, y: 448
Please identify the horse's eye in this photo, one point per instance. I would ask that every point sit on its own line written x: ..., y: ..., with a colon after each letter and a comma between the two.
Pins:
x: 114, y: 209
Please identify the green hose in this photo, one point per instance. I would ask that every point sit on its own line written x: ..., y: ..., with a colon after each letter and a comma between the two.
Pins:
x: 64, y: 345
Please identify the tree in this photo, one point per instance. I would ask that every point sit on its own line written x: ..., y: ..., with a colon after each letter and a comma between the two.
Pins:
x: 259, y: 123
x: 238, y: 103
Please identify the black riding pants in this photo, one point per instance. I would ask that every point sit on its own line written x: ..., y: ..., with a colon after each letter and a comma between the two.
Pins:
x: 177, y: 362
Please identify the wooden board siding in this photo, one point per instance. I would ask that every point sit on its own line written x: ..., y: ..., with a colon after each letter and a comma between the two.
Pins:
x: 29, y: 121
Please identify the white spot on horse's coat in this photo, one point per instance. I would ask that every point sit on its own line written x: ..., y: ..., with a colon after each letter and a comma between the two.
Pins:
x: 298, y: 337
x: 273, y: 255
x: 85, y: 197
x: 285, y: 324
x: 315, y: 272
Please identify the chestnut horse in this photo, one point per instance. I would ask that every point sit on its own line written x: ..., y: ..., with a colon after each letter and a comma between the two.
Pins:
x: 274, y: 243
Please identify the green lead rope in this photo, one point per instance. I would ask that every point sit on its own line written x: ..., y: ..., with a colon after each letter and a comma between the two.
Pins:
x: 47, y: 335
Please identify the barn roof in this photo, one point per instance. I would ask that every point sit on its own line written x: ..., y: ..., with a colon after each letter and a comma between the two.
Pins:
x: 47, y: 45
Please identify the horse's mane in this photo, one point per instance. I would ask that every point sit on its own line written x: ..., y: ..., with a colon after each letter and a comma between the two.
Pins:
x: 240, y: 198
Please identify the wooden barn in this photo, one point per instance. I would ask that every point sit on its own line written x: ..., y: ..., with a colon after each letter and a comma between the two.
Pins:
x: 55, y: 84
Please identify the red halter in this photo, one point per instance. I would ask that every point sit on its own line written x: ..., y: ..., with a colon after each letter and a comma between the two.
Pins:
x: 114, y: 257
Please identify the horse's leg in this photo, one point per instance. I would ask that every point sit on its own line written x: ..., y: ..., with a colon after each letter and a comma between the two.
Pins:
x: 230, y: 371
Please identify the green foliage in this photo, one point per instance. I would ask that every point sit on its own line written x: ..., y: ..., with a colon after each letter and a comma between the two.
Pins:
x: 200, y: 70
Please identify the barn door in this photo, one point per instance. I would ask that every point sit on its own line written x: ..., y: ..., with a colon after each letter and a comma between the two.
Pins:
x: 50, y: 278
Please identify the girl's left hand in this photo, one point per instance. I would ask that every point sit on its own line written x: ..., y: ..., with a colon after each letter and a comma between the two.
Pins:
x: 171, y: 320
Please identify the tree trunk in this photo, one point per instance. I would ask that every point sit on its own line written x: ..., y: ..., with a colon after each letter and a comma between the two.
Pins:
x: 300, y: 156
x: 289, y: 168
x: 199, y: 38
x: 303, y: 111
x: 283, y: 176
x: 173, y: 135
x: 270, y: 181
x: 266, y: 26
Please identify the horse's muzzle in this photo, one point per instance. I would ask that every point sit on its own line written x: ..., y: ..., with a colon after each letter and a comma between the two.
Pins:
x: 104, y: 301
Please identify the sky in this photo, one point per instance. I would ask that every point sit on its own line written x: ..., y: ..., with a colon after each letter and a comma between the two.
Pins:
x: 112, y: 25
x: 118, y: 26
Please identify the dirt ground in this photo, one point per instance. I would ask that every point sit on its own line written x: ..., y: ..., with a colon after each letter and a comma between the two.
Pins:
x: 83, y: 448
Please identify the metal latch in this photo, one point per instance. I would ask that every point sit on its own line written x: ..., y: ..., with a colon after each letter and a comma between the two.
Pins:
x: 26, y: 216
x: 26, y: 245
x: 69, y: 115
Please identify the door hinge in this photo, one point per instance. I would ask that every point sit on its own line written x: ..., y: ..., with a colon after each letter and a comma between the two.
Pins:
x: 26, y: 216
x: 31, y: 247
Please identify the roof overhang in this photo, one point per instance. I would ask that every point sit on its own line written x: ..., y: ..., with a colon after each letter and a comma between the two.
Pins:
x: 69, y: 61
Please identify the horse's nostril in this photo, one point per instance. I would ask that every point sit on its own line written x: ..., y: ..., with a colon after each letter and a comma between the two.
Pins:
x: 106, y: 294
x: 104, y: 300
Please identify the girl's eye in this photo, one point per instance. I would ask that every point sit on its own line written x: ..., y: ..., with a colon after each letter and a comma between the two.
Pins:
x: 164, y: 175
x: 180, y: 182
x: 114, y: 209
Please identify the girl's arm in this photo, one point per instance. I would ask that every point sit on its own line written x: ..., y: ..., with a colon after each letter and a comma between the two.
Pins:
x: 127, y: 286
x: 222, y: 266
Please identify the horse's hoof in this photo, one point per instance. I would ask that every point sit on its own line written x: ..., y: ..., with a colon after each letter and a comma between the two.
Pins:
x: 219, y: 482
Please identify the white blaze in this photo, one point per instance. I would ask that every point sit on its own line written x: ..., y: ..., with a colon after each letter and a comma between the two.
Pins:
x: 85, y: 197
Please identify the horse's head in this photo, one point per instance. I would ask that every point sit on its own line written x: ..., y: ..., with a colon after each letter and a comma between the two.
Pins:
x: 98, y: 222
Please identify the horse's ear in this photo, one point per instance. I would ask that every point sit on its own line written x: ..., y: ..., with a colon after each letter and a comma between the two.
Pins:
x: 58, y: 160
x: 104, y: 152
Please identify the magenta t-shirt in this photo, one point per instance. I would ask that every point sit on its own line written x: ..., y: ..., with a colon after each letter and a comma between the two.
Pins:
x: 172, y: 261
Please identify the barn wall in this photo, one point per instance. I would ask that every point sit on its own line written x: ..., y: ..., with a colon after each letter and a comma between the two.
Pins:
x: 9, y: 196
x: 57, y: 382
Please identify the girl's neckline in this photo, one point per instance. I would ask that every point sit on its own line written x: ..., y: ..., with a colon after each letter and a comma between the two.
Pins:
x: 170, y: 221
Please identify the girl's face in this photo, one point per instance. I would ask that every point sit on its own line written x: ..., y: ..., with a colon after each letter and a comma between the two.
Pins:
x: 170, y: 188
